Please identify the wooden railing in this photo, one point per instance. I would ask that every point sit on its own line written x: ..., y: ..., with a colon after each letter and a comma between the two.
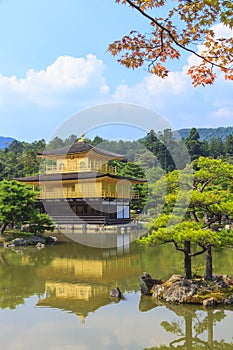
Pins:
x: 75, y: 219
x: 53, y: 169
x: 74, y: 194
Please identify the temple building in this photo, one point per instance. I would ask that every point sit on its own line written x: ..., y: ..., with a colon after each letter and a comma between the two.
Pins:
x: 77, y: 185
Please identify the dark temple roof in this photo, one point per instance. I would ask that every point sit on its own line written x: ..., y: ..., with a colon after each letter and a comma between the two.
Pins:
x: 75, y: 176
x: 81, y: 147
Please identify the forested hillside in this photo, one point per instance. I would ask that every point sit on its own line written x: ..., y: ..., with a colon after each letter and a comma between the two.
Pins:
x: 153, y: 154
x: 208, y: 133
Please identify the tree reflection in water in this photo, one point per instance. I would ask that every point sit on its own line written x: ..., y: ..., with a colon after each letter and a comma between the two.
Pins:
x: 191, y: 330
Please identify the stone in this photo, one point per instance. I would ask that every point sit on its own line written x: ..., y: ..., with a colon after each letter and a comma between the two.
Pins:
x: 115, y: 293
x: 40, y: 245
x: 181, y: 292
x: 228, y: 279
x: 19, y: 242
x: 177, y: 289
x: 220, y: 282
x: 209, y: 302
x: 33, y: 240
x: 147, y: 283
x: 145, y: 275
x: 25, y: 227
x: 157, y: 291
x: 9, y: 245
x: 228, y: 300
x: 175, y: 278
x: 51, y: 240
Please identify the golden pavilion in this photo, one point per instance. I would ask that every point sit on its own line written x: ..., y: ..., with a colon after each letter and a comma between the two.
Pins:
x: 79, y: 186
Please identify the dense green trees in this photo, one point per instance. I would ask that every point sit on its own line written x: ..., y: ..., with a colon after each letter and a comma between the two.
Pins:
x: 150, y: 158
x: 20, y: 159
x: 197, y: 210
x: 17, y: 205
x: 195, y: 147
x: 155, y: 151
x: 207, y: 133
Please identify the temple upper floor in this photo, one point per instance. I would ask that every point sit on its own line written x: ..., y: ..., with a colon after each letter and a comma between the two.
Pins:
x: 78, y: 164
x: 79, y: 157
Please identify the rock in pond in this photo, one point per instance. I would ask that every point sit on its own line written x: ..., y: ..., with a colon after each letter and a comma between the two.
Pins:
x: 115, y: 293
x: 228, y: 300
x: 210, y: 302
x: 181, y: 291
x: 50, y: 239
x: 40, y: 245
x: 147, y: 283
x: 19, y: 242
x: 33, y: 240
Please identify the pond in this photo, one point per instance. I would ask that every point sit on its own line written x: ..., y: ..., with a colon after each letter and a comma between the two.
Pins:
x: 57, y: 298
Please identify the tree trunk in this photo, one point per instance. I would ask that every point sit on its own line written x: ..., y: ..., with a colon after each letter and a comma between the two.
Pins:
x: 208, y: 268
x: 3, y: 227
x: 187, y: 260
x: 188, y: 331
x: 210, y: 328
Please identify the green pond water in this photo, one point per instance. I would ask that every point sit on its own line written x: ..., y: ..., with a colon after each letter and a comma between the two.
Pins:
x: 57, y: 298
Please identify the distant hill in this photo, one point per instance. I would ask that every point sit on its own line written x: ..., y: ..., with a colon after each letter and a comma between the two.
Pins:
x: 207, y: 133
x: 5, y: 141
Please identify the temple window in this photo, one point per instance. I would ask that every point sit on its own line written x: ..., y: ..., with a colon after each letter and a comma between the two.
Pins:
x: 82, y: 165
x: 61, y: 166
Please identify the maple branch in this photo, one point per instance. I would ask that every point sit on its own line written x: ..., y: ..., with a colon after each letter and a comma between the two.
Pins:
x: 161, y: 50
x: 172, y: 36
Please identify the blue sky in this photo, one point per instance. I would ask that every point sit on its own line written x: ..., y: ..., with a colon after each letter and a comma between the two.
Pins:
x: 54, y: 64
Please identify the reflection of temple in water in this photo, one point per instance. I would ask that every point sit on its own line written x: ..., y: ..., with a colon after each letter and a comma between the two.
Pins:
x: 78, y: 298
x: 105, y: 237
x: 81, y: 285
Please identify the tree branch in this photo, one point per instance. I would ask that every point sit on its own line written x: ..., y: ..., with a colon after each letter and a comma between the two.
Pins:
x: 204, y: 249
x: 163, y: 28
x: 205, y: 183
x: 177, y: 247
x: 195, y: 215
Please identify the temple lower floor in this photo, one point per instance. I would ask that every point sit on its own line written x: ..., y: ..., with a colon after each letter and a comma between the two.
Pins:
x: 89, y: 210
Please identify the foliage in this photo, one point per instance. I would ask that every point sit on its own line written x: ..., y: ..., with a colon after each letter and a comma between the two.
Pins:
x: 208, y: 133
x: 20, y: 159
x: 40, y: 223
x: 195, y: 147
x: 57, y: 142
x: 207, y: 196
x: 17, y: 205
x: 184, y: 26
x: 153, y: 154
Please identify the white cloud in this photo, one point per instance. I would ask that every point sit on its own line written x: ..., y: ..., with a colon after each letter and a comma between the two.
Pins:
x: 152, y: 91
x: 222, y: 31
x: 181, y: 103
x: 175, y: 83
x: 47, y: 87
x: 223, y: 114
x: 72, y: 84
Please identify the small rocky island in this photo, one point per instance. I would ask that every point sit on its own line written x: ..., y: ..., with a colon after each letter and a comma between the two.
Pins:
x: 38, y: 241
x: 177, y: 289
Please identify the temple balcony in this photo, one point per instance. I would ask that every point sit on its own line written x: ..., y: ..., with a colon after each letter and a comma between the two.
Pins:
x: 64, y: 193
x: 53, y: 169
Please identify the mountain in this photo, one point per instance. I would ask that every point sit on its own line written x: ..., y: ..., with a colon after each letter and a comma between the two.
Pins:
x: 5, y: 141
x: 208, y: 133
